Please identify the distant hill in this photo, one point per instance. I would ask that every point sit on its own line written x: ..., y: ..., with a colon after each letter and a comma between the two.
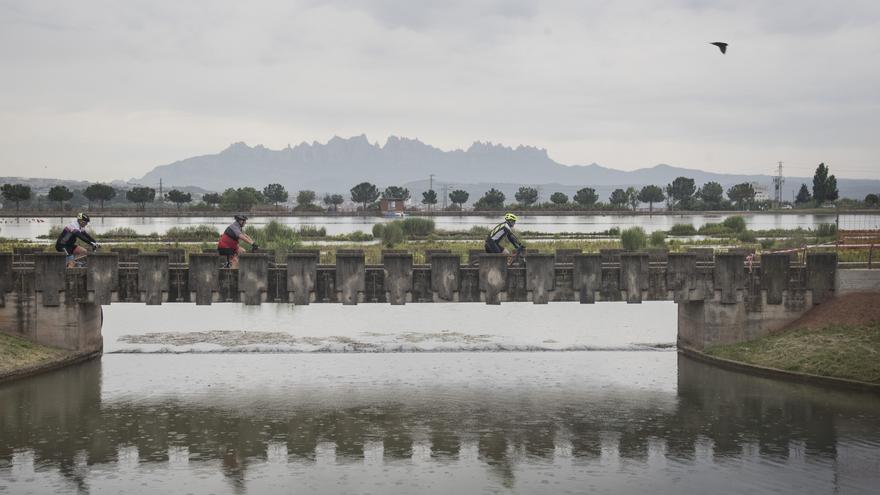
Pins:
x: 341, y: 163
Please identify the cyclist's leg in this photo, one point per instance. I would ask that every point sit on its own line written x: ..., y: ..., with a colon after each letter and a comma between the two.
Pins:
x: 79, y: 255
x: 69, y: 258
x: 235, y: 256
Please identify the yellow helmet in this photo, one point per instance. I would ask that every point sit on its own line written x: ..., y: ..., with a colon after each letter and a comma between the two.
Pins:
x: 509, y: 217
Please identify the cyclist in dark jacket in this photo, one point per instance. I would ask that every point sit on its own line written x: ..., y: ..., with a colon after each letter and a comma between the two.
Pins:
x: 66, y: 242
x: 502, y: 231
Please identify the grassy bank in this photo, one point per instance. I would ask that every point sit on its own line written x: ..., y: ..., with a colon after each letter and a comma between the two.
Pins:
x: 16, y: 354
x: 839, y: 351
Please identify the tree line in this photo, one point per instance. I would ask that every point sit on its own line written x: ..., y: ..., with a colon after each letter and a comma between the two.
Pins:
x: 681, y: 194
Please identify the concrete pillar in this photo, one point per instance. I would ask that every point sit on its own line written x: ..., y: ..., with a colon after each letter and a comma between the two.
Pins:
x: 429, y: 253
x: 175, y: 255
x: 681, y: 272
x: 72, y: 326
x: 474, y: 256
x: 587, y: 277
x: 634, y: 276
x: 540, y: 276
x: 493, y: 276
x: 610, y: 255
x: 398, y: 276
x: 445, y: 276
x: 253, y: 277
x: 704, y: 255
x: 102, y: 277
x: 49, y: 269
x: 657, y: 255
x: 204, y: 278
x: 821, y: 271
x: 774, y: 276
x: 130, y: 255
x: 153, y: 277
x: 567, y: 255
x: 350, y: 276
x: 729, y: 276
x: 302, y: 276
x: 5, y: 276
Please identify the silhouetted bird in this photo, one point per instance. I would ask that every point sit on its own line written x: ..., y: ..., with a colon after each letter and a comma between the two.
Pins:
x: 721, y: 46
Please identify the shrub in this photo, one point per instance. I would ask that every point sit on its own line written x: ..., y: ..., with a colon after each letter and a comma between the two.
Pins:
x: 392, y: 234
x: 747, y: 236
x: 735, y: 224
x: 714, y: 229
x: 312, y: 231
x: 417, y: 227
x: 275, y: 236
x: 658, y: 238
x: 682, y: 229
x: 767, y: 243
x: 613, y: 231
x: 120, y: 232
x: 192, y: 233
x: 826, y: 230
x: 633, y: 239
x: 378, y: 229
x: 359, y: 236
x: 479, y: 231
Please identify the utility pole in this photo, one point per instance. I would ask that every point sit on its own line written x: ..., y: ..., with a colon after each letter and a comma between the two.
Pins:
x: 445, y: 189
x: 778, y: 181
x: 160, y: 188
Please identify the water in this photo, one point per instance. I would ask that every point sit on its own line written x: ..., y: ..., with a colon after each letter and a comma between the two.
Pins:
x: 606, y: 421
x: 30, y: 228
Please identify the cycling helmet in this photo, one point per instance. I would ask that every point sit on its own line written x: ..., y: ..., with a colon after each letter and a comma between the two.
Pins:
x: 83, y: 217
x: 509, y: 217
x: 239, y: 218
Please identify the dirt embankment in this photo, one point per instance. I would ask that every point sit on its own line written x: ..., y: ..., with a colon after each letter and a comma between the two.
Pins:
x: 853, y: 310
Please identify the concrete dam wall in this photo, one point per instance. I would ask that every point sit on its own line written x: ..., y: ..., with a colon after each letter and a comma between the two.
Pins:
x: 721, y: 298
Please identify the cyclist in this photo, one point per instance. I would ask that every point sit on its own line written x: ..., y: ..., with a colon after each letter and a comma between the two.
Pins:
x: 228, y: 244
x: 500, y: 232
x: 66, y: 242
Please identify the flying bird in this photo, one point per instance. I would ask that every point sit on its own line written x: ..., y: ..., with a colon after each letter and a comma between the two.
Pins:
x: 721, y: 46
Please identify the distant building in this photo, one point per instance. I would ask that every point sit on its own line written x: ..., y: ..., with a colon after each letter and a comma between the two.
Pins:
x: 762, y: 192
x: 392, y: 207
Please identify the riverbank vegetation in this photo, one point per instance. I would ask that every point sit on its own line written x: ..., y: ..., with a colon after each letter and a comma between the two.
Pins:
x: 17, y: 354
x: 851, y: 352
x: 839, y: 338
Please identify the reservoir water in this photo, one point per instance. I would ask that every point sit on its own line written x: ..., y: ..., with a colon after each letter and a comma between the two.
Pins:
x: 30, y: 228
x: 192, y: 401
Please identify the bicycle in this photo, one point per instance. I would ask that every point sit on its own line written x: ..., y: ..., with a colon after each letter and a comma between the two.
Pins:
x: 230, y: 257
x: 518, y: 258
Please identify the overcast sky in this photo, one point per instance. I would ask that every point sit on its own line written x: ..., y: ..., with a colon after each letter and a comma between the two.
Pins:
x: 102, y: 90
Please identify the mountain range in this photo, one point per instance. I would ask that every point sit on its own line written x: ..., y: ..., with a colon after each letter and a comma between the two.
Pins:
x: 341, y: 163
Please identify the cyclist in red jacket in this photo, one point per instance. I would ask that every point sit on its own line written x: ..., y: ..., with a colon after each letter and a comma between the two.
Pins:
x: 228, y: 244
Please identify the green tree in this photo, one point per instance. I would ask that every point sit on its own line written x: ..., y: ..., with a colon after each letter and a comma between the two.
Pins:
x: 364, y: 193
x: 742, y: 194
x: 178, y: 197
x: 60, y: 194
x: 651, y: 194
x: 872, y: 200
x: 492, y: 200
x: 333, y: 200
x: 241, y: 199
x: 712, y: 195
x: 141, y: 196
x: 16, y: 193
x: 618, y: 198
x: 526, y: 196
x: 682, y: 191
x: 429, y: 197
x: 396, y: 192
x: 559, y: 198
x: 459, y: 197
x: 586, y: 197
x: 212, y: 199
x: 824, y: 185
x: 276, y: 193
x: 99, y: 192
x: 633, y: 239
x: 632, y: 197
x: 305, y: 198
x: 803, y: 196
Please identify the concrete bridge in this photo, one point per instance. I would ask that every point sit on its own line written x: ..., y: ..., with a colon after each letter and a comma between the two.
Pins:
x: 720, y: 298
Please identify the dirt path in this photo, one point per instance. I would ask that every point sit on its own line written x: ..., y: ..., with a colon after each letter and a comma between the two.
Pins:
x: 851, y: 309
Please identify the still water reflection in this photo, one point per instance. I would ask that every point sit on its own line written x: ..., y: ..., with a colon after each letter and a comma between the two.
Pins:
x: 542, y: 422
